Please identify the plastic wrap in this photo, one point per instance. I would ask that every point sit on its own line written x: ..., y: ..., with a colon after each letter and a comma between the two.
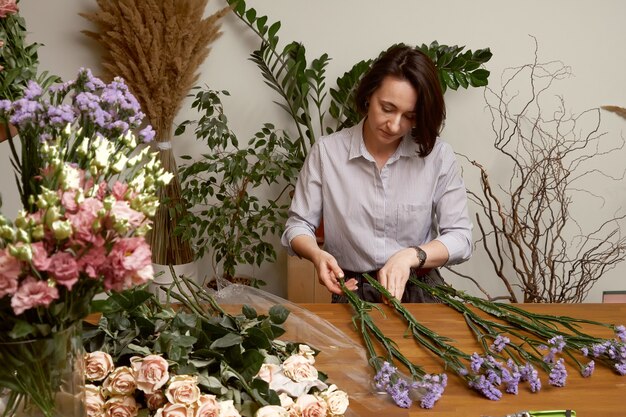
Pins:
x: 343, y: 360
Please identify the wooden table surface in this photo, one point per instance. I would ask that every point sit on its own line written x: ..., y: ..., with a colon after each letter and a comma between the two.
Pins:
x: 603, y: 394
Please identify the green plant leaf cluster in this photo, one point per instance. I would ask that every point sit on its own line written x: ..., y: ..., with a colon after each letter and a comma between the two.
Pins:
x: 224, y: 213
x: 224, y: 350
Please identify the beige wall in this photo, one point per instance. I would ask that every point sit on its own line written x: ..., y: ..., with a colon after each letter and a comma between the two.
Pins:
x: 588, y: 36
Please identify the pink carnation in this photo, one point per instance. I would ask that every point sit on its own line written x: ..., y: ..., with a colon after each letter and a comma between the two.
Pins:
x: 92, y: 261
x: 8, y: 7
x: 41, y: 261
x: 10, y: 269
x: 84, y: 220
x: 64, y: 268
x: 130, y: 264
x: 68, y: 199
x: 119, y: 190
x: 121, y: 211
x: 33, y: 293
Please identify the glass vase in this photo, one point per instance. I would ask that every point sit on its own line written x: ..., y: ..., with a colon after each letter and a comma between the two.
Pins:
x: 43, y: 377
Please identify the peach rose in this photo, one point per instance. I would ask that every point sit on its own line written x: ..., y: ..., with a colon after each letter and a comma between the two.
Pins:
x: 336, y: 400
x: 311, y: 406
x: 227, y: 409
x: 94, y: 401
x: 183, y: 389
x: 207, y: 406
x: 307, y: 352
x: 151, y: 372
x: 173, y: 410
x: 285, y: 400
x: 271, y: 411
x: 121, y: 406
x: 97, y: 365
x: 155, y: 400
x: 266, y: 372
x: 120, y: 382
x: 298, y: 368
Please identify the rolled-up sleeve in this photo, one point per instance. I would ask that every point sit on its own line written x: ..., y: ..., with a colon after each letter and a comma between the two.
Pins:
x: 305, y: 211
x: 455, y: 226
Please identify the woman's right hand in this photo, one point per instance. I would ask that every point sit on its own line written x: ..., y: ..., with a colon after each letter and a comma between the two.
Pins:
x: 329, y: 273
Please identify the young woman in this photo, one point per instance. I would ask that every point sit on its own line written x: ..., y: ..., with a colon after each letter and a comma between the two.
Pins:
x: 390, y: 191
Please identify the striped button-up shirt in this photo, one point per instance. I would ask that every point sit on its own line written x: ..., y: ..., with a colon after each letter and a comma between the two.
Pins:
x: 370, y: 214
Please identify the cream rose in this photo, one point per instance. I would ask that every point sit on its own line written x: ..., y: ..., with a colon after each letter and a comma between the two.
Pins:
x: 298, y: 368
x: 120, y: 382
x: 336, y: 400
x: 266, y: 372
x: 285, y: 400
x: 207, y: 406
x: 94, y: 401
x: 173, y: 410
x: 271, y: 411
x: 121, y: 406
x: 227, y: 409
x: 183, y: 389
x: 307, y: 352
x: 311, y: 406
x: 97, y: 365
x: 151, y: 372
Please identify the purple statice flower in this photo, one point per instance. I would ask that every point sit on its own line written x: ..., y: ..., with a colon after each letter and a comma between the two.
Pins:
x: 117, y: 128
x: 5, y: 105
x: 511, y: 380
x: 557, y: 343
x: 476, y: 362
x: 400, y: 392
x: 482, y: 385
x: 588, y: 370
x: 147, y: 134
x: 599, y: 349
x: 32, y: 91
x: 530, y: 374
x: 558, y: 374
x: 85, y: 81
x: 584, y: 350
x: 60, y: 116
x: 433, y: 385
x: 26, y: 112
x: 382, y: 378
x: 500, y: 343
x: 620, y: 332
x: 620, y: 368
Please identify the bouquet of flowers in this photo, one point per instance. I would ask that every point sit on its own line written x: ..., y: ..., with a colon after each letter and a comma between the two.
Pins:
x: 88, y: 195
x: 201, y: 362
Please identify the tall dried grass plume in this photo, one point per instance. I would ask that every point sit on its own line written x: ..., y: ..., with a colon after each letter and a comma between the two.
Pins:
x: 157, y: 46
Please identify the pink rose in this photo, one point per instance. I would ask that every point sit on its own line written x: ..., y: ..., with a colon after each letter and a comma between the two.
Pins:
x: 120, y: 382
x: 98, y: 365
x: 64, y: 269
x: 121, y: 406
x: 299, y: 368
x: 173, y: 410
x: 122, y: 212
x: 183, y: 389
x: 40, y: 259
x: 155, y: 400
x: 92, y: 260
x: 8, y: 7
x: 207, y: 406
x: 33, y: 293
x: 336, y: 400
x: 130, y: 264
x: 10, y: 269
x: 151, y: 372
x: 311, y: 406
x: 94, y: 401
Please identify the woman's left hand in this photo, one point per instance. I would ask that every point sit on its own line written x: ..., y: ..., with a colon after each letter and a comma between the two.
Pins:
x: 395, y: 274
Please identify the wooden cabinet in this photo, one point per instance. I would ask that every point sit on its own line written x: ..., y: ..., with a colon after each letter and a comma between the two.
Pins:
x: 302, y: 283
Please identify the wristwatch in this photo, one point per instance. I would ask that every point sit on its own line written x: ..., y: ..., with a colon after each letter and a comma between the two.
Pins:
x: 421, y: 255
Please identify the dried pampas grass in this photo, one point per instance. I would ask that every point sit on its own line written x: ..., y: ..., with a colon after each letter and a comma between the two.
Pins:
x: 157, y: 47
x: 620, y: 111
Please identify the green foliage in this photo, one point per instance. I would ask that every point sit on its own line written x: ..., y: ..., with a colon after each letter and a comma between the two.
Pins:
x: 223, y: 213
x: 224, y: 350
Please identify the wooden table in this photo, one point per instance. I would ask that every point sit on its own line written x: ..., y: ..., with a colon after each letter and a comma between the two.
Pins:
x: 604, y: 394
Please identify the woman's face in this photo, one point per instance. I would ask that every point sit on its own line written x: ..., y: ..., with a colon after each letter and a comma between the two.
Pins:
x: 391, y: 112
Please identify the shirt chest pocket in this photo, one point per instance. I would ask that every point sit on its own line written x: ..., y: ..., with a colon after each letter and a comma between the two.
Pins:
x: 413, y: 221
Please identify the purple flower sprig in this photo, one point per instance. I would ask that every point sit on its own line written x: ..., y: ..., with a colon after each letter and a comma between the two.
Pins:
x: 402, y: 389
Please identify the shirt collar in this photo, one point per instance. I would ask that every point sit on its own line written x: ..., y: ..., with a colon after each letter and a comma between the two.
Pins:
x: 408, y: 148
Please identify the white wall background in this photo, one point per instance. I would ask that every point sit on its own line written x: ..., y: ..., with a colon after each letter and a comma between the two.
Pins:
x: 588, y: 36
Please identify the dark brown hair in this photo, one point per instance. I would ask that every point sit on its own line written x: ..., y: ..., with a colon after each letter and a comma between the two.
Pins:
x: 413, y: 65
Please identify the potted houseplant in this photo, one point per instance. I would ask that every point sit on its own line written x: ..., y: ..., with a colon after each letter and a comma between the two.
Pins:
x: 223, y: 212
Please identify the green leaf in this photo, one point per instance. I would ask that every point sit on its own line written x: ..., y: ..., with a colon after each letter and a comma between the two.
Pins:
x: 249, y: 312
x: 231, y: 339
x: 278, y: 314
